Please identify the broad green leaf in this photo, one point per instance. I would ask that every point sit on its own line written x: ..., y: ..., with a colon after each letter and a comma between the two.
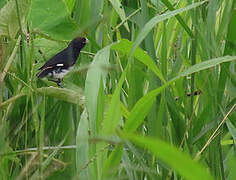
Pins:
x: 113, y: 116
x: 97, y: 7
x: 53, y: 19
x: 92, y: 84
x: 155, y: 20
x: 101, y: 108
x: 9, y: 24
x: 82, y: 13
x: 120, y: 11
x: 177, y: 160
x: 125, y: 46
x: 110, y: 123
x: 75, y: 97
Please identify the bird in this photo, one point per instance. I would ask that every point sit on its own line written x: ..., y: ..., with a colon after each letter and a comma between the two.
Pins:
x: 63, y: 62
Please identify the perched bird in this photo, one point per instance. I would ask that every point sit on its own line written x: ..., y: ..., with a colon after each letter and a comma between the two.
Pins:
x: 60, y: 64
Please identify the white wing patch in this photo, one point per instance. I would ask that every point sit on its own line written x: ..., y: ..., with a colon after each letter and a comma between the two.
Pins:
x: 59, y: 65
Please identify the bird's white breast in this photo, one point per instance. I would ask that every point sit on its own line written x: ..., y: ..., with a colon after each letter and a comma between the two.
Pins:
x: 59, y: 74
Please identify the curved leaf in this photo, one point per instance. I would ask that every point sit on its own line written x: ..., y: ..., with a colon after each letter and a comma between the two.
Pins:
x: 53, y: 19
x: 179, y: 161
x: 125, y: 46
x: 75, y: 97
x: 92, y: 84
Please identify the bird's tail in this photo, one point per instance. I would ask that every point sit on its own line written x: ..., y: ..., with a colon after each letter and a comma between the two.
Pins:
x: 44, y: 72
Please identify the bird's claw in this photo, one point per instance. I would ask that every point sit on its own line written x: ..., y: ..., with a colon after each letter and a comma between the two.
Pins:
x: 59, y: 83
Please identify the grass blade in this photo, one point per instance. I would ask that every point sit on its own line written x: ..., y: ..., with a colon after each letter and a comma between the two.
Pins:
x: 68, y: 95
x: 120, y: 11
x: 82, y: 147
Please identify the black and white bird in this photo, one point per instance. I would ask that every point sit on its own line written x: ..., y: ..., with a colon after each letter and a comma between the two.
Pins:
x: 60, y: 64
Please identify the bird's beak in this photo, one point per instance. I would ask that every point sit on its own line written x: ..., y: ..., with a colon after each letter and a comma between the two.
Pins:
x: 87, y: 41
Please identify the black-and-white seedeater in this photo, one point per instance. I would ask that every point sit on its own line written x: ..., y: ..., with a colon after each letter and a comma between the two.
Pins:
x: 63, y: 62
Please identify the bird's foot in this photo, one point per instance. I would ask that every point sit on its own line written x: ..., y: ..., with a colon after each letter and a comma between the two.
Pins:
x: 58, y: 81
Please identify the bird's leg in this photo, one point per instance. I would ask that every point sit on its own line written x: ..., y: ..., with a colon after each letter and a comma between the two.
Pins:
x: 59, y: 82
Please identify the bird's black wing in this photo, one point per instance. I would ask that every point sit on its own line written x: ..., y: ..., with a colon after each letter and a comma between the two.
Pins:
x: 60, y: 60
x: 62, y: 57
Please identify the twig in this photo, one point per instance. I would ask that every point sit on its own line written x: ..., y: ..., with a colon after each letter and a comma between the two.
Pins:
x: 126, y: 19
x: 34, y: 149
x: 214, y: 133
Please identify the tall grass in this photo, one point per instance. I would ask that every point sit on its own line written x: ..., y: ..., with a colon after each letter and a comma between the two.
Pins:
x: 152, y: 95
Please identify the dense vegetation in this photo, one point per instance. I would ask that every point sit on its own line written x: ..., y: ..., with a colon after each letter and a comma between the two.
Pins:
x: 152, y: 95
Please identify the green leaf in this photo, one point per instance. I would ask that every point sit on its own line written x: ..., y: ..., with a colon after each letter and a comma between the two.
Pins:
x: 112, y: 163
x: 97, y: 8
x: 92, y: 84
x: 177, y: 160
x: 82, y: 147
x: 141, y: 109
x: 75, y: 97
x: 101, y: 108
x: 9, y: 24
x: 53, y: 19
x: 70, y: 4
x: 125, y: 46
x: 113, y: 116
x: 81, y: 13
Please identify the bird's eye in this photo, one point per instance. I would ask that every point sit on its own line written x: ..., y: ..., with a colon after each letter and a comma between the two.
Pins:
x: 86, y: 40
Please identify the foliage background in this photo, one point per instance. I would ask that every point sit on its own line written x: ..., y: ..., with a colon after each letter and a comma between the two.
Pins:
x: 127, y: 110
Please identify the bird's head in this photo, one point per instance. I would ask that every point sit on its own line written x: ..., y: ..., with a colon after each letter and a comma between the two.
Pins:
x: 79, y: 42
